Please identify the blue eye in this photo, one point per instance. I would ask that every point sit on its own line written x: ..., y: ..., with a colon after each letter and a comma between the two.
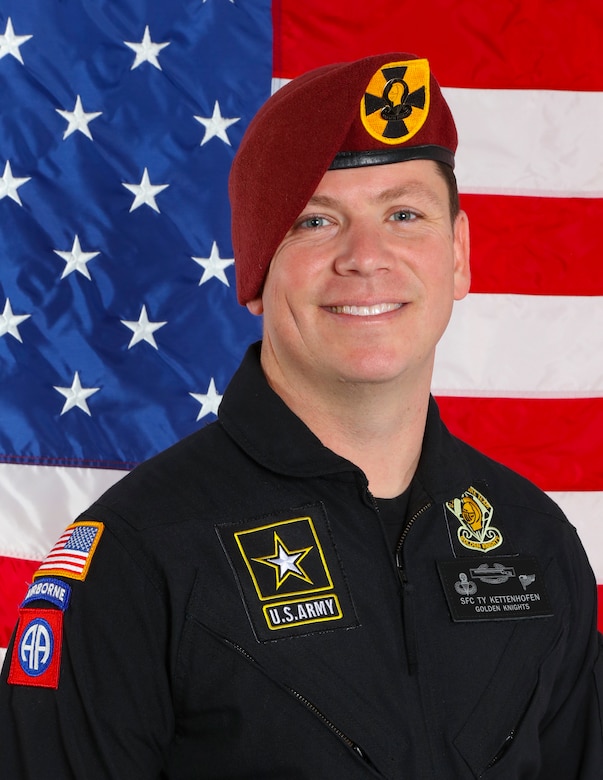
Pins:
x: 313, y: 222
x: 403, y: 216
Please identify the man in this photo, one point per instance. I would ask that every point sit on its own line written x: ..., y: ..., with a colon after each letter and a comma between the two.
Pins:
x: 324, y: 583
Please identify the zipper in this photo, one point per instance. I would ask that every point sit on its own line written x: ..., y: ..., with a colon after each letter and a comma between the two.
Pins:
x: 355, y: 748
x: 506, y: 745
x: 407, y: 590
x: 345, y: 739
x: 409, y: 525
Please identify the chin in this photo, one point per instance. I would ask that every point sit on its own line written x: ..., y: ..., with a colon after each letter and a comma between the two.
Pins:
x: 371, y: 372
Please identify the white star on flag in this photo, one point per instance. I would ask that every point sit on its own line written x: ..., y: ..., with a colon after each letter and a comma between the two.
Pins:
x: 9, y: 185
x: 143, y: 329
x: 216, y: 125
x: 214, y: 265
x: 146, y: 50
x: 78, y: 119
x: 10, y: 43
x: 145, y: 192
x: 76, y: 259
x: 10, y: 322
x: 209, y: 401
x: 76, y: 395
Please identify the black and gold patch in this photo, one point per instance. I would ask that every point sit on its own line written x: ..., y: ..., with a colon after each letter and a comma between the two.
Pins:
x: 396, y: 102
x: 289, y: 573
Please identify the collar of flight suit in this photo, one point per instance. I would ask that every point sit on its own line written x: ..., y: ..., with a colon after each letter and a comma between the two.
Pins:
x: 269, y: 432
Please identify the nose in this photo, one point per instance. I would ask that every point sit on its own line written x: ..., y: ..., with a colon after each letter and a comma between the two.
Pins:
x: 363, y: 251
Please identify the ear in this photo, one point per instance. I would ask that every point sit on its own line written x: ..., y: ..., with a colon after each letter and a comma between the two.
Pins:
x: 462, y: 268
x: 256, y: 306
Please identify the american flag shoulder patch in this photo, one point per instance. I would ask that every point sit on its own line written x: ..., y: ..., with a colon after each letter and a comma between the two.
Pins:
x: 72, y: 554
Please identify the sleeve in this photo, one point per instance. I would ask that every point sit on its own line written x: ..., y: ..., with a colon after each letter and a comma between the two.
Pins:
x: 572, y: 736
x: 85, y: 689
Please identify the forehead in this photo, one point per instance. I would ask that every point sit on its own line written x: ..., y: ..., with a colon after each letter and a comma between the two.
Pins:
x: 376, y: 183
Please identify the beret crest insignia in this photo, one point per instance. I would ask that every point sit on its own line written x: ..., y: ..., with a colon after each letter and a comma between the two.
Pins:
x: 396, y: 102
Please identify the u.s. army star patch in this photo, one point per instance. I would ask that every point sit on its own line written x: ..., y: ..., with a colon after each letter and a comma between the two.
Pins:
x: 289, y: 573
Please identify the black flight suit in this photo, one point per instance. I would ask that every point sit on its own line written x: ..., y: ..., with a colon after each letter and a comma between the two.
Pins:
x: 243, y: 616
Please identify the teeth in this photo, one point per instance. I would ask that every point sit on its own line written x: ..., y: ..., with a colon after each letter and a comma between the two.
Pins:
x: 366, y: 311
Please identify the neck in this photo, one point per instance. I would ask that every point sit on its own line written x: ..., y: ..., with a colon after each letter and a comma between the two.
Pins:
x: 377, y: 426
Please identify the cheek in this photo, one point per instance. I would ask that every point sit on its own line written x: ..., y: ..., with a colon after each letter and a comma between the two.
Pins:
x: 436, y: 272
x: 276, y: 293
x: 290, y: 280
x: 281, y: 301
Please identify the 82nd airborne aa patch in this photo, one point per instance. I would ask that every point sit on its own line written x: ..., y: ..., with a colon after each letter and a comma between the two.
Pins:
x: 36, y: 657
x: 289, y: 574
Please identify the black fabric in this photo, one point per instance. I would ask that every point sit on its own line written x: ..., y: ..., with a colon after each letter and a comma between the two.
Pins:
x: 392, y: 512
x: 166, y: 675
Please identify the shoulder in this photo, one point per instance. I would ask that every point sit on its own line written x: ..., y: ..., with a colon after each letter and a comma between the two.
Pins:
x: 529, y: 518
x: 449, y: 464
x: 167, y: 488
x: 510, y: 487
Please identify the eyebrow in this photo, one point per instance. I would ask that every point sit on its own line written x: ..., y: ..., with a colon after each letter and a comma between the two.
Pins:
x: 409, y: 189
x: 412, y: 189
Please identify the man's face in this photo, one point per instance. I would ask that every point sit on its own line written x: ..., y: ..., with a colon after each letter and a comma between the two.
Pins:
x: 361, y: 287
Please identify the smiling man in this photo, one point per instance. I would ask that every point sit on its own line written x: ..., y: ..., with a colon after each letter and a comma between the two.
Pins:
x: 324, y: 583
x: 356, y: 297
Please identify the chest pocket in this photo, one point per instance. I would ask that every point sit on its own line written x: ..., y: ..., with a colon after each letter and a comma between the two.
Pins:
x: 513, y: 704
x: 288, y: 573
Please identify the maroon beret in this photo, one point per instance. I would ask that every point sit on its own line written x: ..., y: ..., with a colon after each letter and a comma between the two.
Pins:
x: 378, y: 110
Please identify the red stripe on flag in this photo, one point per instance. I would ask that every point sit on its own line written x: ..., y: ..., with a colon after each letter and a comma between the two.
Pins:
x: 536, y: 45
x: 535, y: 246
x: 556, y: 443
x: 15, y: 576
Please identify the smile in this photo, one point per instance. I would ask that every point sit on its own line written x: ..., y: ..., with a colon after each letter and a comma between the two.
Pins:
x: 366, y: 311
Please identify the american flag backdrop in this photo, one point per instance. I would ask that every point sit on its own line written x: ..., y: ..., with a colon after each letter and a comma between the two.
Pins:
x: 119, y: 327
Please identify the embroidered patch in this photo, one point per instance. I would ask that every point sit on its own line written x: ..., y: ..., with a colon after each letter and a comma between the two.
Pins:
x: 72, y: 554
x: 49, y: 589
x: 508, y: 587
x: 396, y: 102
x: 474, y: 512
x: 36, y: 657
x: 289, y: 574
